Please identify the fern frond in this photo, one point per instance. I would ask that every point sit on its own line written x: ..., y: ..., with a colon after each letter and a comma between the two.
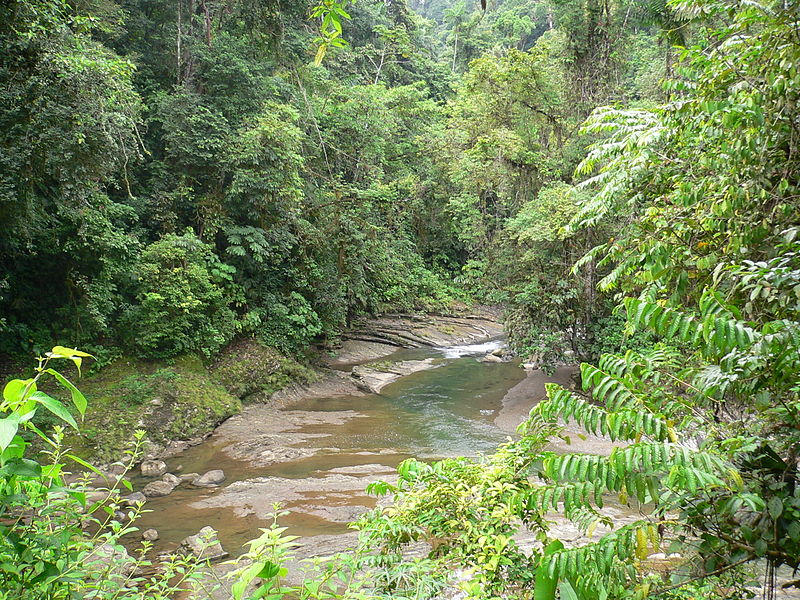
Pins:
x: 617, y: 425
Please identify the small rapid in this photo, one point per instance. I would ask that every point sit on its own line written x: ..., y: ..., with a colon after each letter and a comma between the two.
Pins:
x: 473, y: 349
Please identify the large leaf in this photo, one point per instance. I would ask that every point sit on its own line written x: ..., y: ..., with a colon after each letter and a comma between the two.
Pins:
x: 55, y: 407
x: 78, y: 399
x: 14, y: 389
x: 546, y: 584
x: 76, y: 356
x: 8, y: 429
x: 22, y: 467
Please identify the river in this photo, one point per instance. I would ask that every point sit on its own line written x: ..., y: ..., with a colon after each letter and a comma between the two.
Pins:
x: 316, y: 455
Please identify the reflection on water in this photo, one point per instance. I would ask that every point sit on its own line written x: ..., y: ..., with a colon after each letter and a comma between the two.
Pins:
x: 445, y: 411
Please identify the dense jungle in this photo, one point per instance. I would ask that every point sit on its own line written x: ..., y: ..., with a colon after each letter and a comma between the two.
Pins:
x: 409, y: 299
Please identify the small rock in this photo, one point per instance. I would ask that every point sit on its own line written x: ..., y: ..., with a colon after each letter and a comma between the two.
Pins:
x: 154, y: 468
x: 151, y: 535
x: 204, y: 544
x: 96, y: 496
x: 189, y: 477
x: 115, y: 470
x: 157, y: 489
x: 135, y: 498
x: 210, y: 479
x: 121, y: 516
x: 492, y: 358
x: 173, y: 480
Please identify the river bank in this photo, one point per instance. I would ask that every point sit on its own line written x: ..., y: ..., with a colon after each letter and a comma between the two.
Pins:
x: 307, y: 445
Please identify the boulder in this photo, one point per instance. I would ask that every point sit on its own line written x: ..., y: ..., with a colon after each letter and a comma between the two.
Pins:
x: 157, y: 489
x: 154, y: 468
x: 150, y: 535
x: 173, y: 480
x: 204, y: 544
x: 210, y: 479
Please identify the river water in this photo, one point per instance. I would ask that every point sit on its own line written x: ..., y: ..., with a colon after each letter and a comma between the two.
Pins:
x: 334, y: 447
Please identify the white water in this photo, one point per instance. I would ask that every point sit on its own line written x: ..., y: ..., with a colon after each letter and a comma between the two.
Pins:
x: 473, y: 349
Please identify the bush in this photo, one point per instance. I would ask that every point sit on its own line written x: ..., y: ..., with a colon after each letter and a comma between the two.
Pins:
x: 184, y: 292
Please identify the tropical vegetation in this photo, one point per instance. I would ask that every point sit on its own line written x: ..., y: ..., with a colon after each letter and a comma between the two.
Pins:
x: 622, y: 176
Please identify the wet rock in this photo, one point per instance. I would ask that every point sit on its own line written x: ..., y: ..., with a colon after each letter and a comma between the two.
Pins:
x: 121, y: 516
x: 150, y: 535
x: 154, y: 468
x: 171, y: 479
x: 115, y: 470
x: 189, y: 477
x: 135, y: 498
x: 157, y: 489
x: 210, y: 479
x: 372, y: 379
x: 96, y: 496
x: 492, y: 358
x: 204, y: 544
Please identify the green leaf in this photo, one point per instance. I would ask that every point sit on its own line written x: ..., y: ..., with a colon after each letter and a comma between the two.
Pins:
x: 76, y: 356
x: 775, y: 507
x: 83, y: 463
x: 268, y: 570
x: 12, y: 392
x: 78, y: 399
x: 567, y: 592
x: 546, y: 584
x: 22, y: 467
x: 55, y: 407
x: 8, y: 429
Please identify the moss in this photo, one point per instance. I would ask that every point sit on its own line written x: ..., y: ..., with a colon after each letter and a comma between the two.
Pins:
x: 381, y: 365
x: 170, y: 400
x: 247, y: 368
x: 177, y: 398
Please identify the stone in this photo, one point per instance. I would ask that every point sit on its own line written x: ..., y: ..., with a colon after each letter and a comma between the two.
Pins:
x: 115, y: 470
x: 97, y: 496
x: 173, y: 480
x: 189, y: 477
x: 492, y: 358
x: 204, y: 544
x: 157, y: 489
x: 210, y: 479
x: 150, y: 535
x: 135, y: 498
x: 154, y: 468
x: 121, y: 516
